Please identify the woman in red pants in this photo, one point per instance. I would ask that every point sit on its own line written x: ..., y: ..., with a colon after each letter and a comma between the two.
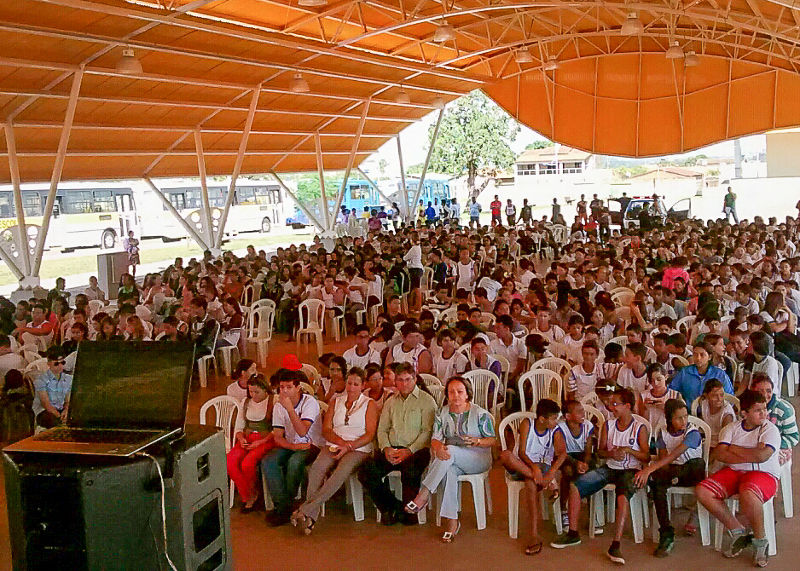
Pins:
x: 252, y: 443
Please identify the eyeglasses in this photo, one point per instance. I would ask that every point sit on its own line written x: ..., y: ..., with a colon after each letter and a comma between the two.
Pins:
x: 59, y: 362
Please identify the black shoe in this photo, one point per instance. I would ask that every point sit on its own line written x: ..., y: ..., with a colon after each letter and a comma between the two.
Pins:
x: 245, y: 510
x: 389, y: 517
x: 615, y: 554
x: 666, y: 544
x: 408, y: 519
x: 276, y: 518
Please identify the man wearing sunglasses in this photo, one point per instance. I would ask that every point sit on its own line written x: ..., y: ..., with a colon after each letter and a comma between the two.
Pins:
x: 52, y: 391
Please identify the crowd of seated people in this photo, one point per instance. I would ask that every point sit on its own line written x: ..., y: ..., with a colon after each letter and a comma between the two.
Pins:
x: 648, y: 330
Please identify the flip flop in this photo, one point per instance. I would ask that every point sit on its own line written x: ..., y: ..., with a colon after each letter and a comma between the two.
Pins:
x: 309, y: 526
x: 449, y: 536
x: 297, y: 518
x: 534, y: 549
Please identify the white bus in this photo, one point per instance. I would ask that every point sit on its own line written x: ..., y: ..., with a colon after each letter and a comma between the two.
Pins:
x: 84, y: 214
x: 256, y: 206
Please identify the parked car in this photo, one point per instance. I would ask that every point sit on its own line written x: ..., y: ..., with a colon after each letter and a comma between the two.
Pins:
x: 639, y: 208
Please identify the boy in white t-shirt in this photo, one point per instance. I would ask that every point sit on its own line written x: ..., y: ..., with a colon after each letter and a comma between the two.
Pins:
x: 584, y: 377
x: 293, y: 420
x: 634, y: 374
x: 750, y: 450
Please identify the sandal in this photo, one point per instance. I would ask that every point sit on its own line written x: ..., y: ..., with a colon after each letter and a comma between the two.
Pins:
x: 309, y: 526
x: 413, y: 508
x: 534, y: 548
x: 690, y: 529
x: 297, y: 518
x: 449, y: 536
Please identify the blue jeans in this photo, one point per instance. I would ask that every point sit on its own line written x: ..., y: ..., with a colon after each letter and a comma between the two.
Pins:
x: 595, y: 480
x: 284, y: 470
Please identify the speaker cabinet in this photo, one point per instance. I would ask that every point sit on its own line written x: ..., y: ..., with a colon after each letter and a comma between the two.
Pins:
x: 96, y: 513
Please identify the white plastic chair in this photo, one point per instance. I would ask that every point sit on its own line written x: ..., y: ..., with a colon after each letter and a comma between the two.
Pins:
x: 621, y: 289
x: 226, y: 354
x: 208, y: 360
x: 487, y: 320
x: 311, y: 373
x: 505, y: 367
x: 622, y: 298
x: 260, y: 322
x: 263, y: 303
x: 637, y: 504
x: 437, y: 392
x: 311, y: 313
x: 95, y: 305
x: 228, y: 413
x: 684, y: 325
x: 792, y: 378
x: 544, y: 383
x: 734, y: 402
x: 702, y: 513
x: 621, y: 340
x: 514, y: 487
x: 481, y: 496
x: 481, y: 380
x: 448, y: 315
x: 555, y: 364
x: 430, y: 380
x: 768, y: 510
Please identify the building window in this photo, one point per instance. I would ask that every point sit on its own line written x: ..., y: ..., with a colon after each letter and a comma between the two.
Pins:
x: 526, y: 169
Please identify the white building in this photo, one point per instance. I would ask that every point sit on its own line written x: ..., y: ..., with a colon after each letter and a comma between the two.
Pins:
x: 558, y: 162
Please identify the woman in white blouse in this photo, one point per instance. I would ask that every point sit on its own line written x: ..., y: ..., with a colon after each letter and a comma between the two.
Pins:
x: 349, y: 429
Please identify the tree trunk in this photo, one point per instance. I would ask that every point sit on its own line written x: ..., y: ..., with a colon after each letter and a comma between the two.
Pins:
x: 471, y: 171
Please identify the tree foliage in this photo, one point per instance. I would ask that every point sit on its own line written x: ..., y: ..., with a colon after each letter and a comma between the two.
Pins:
x: 539, y: 145
x: 475, y: 137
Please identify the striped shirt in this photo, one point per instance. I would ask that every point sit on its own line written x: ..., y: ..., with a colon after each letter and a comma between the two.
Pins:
x: 781, y: 414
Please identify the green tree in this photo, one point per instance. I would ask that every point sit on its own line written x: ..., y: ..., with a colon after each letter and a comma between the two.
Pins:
x: 539, y: 145
x: 475, y: 137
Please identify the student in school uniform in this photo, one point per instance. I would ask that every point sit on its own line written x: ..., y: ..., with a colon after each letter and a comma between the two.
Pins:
x: 624, y: 443
x: 575, y: 437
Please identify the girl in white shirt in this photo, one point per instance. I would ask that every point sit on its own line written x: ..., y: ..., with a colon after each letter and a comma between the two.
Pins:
x: 651, y: 401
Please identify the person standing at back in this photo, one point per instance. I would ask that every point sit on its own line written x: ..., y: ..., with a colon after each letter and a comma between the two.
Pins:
x: 474, y: 213
x: 729, y: 206
x: 556, y: 211
x: 495, y: 206
x: 511, y: 213
x: 581, y: 207
x: 526, y: 213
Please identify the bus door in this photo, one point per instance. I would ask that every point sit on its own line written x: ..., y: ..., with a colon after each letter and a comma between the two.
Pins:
x: 127, y: 214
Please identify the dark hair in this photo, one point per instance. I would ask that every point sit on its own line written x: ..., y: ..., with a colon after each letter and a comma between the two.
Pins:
x: 258, y: 380
x: 760, y: 342
x: 749, y: 398
x: 341, y: 362
x: 13, y: 380
x: 612, y: 352
x: 371, y: 369
x: 467, y: 386
x: 506, y: 321
x: 547, y: 407
x: 761, y: 377
x: 199, y: 301
x: 712, y: 384
x: 242, y: 366
x: 401, y: 368
x: 359, y: 328
x: 626, y: 396
x: 568, y: 405
x: 637, y: 349
x: 670, y: 408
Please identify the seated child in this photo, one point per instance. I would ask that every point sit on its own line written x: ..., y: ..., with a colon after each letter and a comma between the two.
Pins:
x: 574, y: 437
x: 650, y: 403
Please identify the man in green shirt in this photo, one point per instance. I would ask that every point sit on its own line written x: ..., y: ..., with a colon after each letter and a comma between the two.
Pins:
x: 404, y: 437
x: 729, y: 206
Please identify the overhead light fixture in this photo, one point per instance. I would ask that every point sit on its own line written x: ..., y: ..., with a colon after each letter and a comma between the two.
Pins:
x: 523, y: 56
x: 299, y: 84
x: 551, y: 64
x: 402, y: 97
x: 675, y: 51
x: 691, y: 59
x: 444, y: 33
x: 311, y: 3
x: 438, y: 102
x: 128, y: 64
x: 632, y: 26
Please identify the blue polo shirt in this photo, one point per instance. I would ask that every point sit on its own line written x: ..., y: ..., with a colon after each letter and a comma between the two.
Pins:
x: 57, y: 389
x: 689, y: 382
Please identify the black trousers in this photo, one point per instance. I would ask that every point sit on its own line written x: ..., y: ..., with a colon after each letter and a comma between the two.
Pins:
x: 374, y: 470
x: 689, y: 474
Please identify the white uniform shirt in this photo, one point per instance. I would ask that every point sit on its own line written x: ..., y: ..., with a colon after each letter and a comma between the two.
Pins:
x: 575, y: 443
x: 629, y: 437
x: 353, y: 359
x: 306, y: 409
x: 735, y: 433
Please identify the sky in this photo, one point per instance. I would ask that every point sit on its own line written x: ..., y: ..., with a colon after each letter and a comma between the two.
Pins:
x: 414, y: 153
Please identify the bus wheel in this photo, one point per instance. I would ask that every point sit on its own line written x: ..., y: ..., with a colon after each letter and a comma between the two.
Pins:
x: 108, y: 240
x: 266, y: 225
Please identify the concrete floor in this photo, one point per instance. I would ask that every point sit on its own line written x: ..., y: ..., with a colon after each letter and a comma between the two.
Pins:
x: 339, y: 542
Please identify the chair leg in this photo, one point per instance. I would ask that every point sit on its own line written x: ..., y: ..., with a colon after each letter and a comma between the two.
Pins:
x: 637, y: 517
x: 513, y: 512
x: 557, y: 516
x: 488, y: 490
x: 705, y: 524
x: 479, y: 500
x: 769, y: 527
x: 357, y: 497
x: 786, y: 490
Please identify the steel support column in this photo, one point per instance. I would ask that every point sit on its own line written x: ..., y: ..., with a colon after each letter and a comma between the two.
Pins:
x: 186, y: 226
x: 428, y: 156
x: 320, y: 169
x: 13, y: 167
x: 237, y: 166
x: 204, y: 203
x: 300, y: 205
x: 58, y: 168
x: 350, y: 161
x: 403, y: 188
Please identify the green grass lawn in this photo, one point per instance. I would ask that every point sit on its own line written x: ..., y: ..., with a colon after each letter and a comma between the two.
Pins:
x: 70, y: 265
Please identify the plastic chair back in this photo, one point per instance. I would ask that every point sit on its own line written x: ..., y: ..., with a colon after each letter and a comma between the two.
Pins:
x: 310, y: 313
x: 511, y: 424
x: 227, y: 411
x: 544, y: 383
x: 481, y: 380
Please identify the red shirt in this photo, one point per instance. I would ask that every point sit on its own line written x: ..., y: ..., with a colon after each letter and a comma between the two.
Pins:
x: 496, y: 206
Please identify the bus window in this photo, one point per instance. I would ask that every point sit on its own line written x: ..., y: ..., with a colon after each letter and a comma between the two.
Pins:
x: 6, y: 205
x: 260, y: 194
x: 246, y: 195
x: 216, y: 196
x: 76, y: 202
x: 32, y: 203
x: 104, y: 201
x: 178, y: 200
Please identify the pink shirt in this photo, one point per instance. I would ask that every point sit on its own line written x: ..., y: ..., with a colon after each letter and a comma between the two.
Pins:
x: 668, y: 281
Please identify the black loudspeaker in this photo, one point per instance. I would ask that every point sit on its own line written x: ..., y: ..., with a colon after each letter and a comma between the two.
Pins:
x: 96, y: 513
